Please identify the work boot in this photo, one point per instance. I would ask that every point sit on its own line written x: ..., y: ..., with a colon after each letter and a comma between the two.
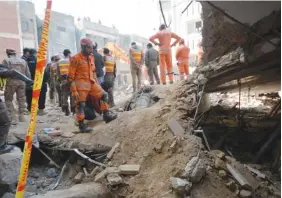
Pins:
x: 41, y: 112
x: 108, y: 116
x: 83, y: 127
x: 164, y: 83
x: 67, y: 111
x: 22, y: 118
x: 171, y: 82
x: 6, y: 149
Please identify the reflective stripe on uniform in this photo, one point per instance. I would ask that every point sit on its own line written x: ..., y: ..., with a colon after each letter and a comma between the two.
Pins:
x: 64, y: 68
x: 110, y: 64
x: 136, y: 54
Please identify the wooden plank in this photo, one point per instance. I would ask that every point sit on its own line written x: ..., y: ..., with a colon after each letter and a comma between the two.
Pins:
x: 239, y: 177
x: 176, y: 128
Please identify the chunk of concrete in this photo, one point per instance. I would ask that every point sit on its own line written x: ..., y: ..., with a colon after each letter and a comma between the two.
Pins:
x: 219, y: 164
x: 222, y: 174
x: 100, y: 176
x: 175, y: 127
x: 231, y: 186
x: 245, y: 194
x: 190, y: 167
x: 114, y: 179
x: 129, y: 169
x: 198, y: 172
x: 87, y: 190
x: 112, y: 170
x: 239, y: 177
x: 79, y: 177
x: 180, y: 186
x: 10, y: 164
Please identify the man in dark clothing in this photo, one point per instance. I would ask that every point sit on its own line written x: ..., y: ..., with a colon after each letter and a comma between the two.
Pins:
x: 32, y: 60
x: 99, y: 64
x: 25, y: 54
x: 152, y: 62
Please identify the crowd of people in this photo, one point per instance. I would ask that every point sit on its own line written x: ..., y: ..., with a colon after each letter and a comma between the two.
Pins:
x: 83, y: 83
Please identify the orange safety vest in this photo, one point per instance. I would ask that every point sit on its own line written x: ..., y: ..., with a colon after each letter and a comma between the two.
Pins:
x: 64, y: 67
x: 136, y: 54
x: 109, y: 64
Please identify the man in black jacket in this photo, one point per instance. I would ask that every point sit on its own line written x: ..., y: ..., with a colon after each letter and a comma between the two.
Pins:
x: 99, y: 64
x: 25, y: 53
x: 32, y: 60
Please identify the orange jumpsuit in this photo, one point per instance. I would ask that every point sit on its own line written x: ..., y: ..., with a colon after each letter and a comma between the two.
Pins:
x: 182, y: 57
x: 164, y: 37
x: 83, y: 81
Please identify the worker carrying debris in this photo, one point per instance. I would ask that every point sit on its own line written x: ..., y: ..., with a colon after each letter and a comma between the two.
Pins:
x: 5, y: 119
x: 62, y: 75
x: 182, y: 57
x: 136, y: 61
x: 83, y: 83
x: 109, y: 78
x: 164, y: 36
x: 152, y: 62
x: 15, y: 85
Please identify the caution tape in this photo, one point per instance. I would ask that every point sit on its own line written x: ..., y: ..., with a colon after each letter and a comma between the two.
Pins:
x: 40, y: 66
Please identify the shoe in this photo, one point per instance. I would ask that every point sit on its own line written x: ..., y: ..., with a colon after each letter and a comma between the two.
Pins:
x: 109, y: 116
x: 41, y: 112
x: 67, y: 111
x: 83, y: 127
x: 22, y: 118
x: 171, y: 82
x: 6, y: 149
x: 164, y: 83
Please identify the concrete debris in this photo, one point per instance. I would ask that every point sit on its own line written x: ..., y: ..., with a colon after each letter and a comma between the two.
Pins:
x: 175, y: 127
x: 239, y: 178
x: 112, y: 151
x: 256, y: 172
x: 114, y: 179
x: 221, y: 155
x: 52, y: 172
x: 120, y: 110
x: 245, y: 194
x: 222, y: 174
x: 129, y: 169
x: 219, y: 164
x: 195, y: 170
x: 87, y: 190
x: 81, y: 162
x: 101, y: 176
x: 202, y: 79
x: 10, y: 164
x: 112, y: 170
x: 79, y: 177
x: 231, y: 186
x: 230, y: 160
x: 173, y: 146
x: 180, y: 186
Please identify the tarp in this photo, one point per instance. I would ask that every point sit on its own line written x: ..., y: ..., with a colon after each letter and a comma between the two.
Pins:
x: 117, y: 52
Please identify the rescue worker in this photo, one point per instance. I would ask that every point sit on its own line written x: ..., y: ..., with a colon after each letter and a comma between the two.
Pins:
x: 25, y: 54
x: 32, y: 60
x: 5, y: 119
x: 182, y: 57
x: 14, y: 85
x: 164, y: 37
x: 109, y: 79
x: 62, y: 75
x: 99, y: 64
x: 83, y: 83
x: 200, y: 54
x: 136, y: 61
x: 152, y: 62
x: 54, y: 85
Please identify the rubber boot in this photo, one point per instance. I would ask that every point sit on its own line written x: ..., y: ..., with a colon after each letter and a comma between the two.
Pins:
x: 22, y: 118
x: 83, y: 127
x: 6, y: 149
x: 108, y: 116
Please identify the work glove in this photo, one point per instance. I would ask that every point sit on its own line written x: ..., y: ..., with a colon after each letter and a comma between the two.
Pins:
x: 105, y: 96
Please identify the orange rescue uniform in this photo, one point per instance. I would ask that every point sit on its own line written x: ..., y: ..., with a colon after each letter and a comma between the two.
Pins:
x: 83, y: 82
x: 182, y: 57
x: 164, y: 37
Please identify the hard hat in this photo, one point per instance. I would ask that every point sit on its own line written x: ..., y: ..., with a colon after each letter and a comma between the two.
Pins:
x: 10, y: 51
x: 86, y: 41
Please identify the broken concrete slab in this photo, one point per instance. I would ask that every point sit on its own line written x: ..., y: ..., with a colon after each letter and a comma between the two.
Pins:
x: 245, y: 194
x: 87, y: 190
x: 175, y: 127
x: 239, y: 177
x: 10, y: 164
x: 180, y: 186
x: 114, y: 179
x: 231, y: 186
x: 222, y: 174
x: 100, y: 176
x: 129, y: 169
x: 194, y: 170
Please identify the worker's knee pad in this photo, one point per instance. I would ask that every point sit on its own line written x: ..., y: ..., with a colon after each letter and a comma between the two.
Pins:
x: 5, y: 119
x: 81, y: 106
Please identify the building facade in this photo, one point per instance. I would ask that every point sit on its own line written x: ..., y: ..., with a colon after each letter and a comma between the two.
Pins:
x: 28, y: 24
x: 10, y: 27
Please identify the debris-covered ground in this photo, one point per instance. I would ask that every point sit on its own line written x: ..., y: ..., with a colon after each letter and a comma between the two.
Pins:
x: 149, y: 152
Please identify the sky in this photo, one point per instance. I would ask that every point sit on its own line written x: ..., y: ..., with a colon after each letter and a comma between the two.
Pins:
x: 128, y: 16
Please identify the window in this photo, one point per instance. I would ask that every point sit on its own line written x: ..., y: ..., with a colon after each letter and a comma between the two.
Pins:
x: 25, y: 26
x: 190, y: 28
x: 198, y: 25
x: 61, y: 29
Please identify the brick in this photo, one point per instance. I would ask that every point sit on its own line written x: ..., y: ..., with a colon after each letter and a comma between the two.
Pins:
x: 100, y: 176
x: 114, y: 179
x: 129, y: 169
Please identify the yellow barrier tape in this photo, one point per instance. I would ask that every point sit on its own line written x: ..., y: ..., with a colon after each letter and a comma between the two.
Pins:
x: 39, y: 72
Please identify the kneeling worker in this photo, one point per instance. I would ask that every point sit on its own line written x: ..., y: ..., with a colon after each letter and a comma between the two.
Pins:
x: 83, y: 83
